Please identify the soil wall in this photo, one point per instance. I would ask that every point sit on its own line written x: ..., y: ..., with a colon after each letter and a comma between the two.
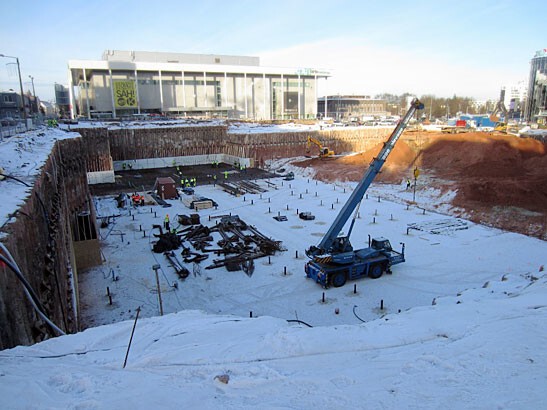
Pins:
x: 39, y: 239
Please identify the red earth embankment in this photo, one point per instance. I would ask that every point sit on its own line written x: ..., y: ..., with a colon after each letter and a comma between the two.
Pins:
x: 501, y: 180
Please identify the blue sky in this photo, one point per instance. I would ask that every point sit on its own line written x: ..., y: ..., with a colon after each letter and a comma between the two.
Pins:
x: 467, y: 48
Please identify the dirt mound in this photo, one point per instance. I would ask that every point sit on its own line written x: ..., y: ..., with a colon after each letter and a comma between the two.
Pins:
x: 491, y: 170
x: 352, y: 167
x: 500, y: 179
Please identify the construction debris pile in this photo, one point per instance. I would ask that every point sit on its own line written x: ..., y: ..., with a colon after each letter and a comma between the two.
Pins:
x: 239, y: 243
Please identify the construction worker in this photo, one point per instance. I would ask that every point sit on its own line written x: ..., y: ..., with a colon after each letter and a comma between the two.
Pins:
x: 166, y: 223
x: 186, y: 183
x: 225, y: 174
x: 407, y: 183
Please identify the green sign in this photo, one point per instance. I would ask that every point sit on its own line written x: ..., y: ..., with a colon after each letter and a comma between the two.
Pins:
x: 125, y: 94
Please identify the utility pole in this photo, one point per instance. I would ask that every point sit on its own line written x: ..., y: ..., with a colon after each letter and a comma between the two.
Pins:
x: 21, y: 88
x: 33, y: 92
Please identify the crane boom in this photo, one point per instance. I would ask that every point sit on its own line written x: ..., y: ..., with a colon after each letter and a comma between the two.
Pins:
x: 330, y: 242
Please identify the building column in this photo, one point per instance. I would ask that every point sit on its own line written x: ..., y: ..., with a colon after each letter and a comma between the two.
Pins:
x: 282, y: 97
x: 245, y: 92
x: 70, y: 95
x: 86, y: 95
x: 299, y: 91
x: 316, y: 94
x: 264, y: 87
x: 226, y: 92
x: 161, y: 93
x: 137, y: 92
x: 183, y: 90
x: 112, y: 93
x: 326, y: 97
x: 205, y: 89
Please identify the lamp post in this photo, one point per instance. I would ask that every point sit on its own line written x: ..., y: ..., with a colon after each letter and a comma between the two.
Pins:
x: 33, y: 92
x: 21, y: 87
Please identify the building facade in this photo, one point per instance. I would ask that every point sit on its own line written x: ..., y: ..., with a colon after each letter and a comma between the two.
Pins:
x: 62, y: 100
x: 10, y: 104
x: 536, y: 105
x: 345, y: 108
x: 128, y: 83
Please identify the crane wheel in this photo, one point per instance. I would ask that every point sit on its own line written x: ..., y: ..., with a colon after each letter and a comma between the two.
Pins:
x: 376, y: 271
x: 338, y: 279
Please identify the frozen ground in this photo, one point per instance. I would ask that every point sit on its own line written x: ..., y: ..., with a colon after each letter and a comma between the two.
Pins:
x: 445, y: 256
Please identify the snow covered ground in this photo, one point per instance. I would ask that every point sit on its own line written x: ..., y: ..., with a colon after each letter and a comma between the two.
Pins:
x: 462, y: 325
x: 22, y: 157
x: 439, y: 263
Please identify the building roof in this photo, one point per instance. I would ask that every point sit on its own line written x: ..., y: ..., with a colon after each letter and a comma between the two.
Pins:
x: 200, y: 63
x: 164, y: 180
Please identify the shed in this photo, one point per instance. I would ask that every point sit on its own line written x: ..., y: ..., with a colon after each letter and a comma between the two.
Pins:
x: 165, y: 188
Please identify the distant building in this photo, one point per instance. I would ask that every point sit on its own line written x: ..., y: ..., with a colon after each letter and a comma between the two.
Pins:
x: 10, y: 104
x: 536, y: 105
x: 62, y: 100
x: 515, y: 99
x: 347, y: 107
x: 47, y: 108
x: 125, y: 83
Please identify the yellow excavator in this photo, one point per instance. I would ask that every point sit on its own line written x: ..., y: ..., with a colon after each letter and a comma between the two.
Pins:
x: 324, y: 152
x: 500, y: 108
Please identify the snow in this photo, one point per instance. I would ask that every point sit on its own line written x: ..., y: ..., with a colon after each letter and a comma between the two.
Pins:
x: 462, y: 325
x: 22, y: 156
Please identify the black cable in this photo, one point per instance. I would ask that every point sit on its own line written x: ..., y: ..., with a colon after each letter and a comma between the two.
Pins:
x: 23, y: 280
x: 298, y: 321
x: 30, y: 186
x: 354, y: 306
x: 16, y: 179
x: 30, y: 292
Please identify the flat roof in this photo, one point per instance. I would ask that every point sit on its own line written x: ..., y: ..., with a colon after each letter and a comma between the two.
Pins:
x: 77, y: 65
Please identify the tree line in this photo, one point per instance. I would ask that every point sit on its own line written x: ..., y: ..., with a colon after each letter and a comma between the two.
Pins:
x: 438, y: 107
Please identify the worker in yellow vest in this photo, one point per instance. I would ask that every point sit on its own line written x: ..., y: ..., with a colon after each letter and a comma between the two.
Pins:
x: 166, y: 223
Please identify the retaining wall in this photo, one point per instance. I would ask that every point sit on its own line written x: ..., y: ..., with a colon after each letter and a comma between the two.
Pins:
x: 40, y: 241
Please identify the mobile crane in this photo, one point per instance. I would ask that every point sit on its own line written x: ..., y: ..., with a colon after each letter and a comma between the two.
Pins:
x: 334, y: 260
x: 324, y: 152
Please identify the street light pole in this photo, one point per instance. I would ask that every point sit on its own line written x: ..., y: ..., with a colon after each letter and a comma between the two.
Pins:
x: 21, y: 87
x: 33, y: 92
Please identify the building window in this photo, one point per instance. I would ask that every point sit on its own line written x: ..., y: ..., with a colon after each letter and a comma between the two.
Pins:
x: 8, y: 98
x: 218, y: 99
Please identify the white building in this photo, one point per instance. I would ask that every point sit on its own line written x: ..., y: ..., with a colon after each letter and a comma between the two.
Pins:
x: 126, y: 83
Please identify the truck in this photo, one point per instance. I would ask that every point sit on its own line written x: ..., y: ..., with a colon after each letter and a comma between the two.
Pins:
x: 334, y: 261
x: 460, y: 126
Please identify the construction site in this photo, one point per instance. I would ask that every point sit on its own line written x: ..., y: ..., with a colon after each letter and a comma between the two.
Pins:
x: 86, y: 192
